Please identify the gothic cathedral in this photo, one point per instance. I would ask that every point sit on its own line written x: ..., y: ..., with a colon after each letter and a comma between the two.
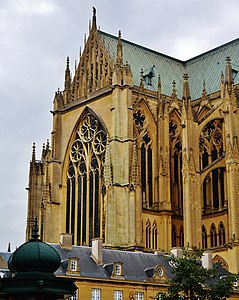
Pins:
x: 143, y: 152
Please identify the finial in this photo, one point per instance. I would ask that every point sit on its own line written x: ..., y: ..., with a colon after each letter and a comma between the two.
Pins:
x: 229, y: 71
x: 35, y: 230
x: 80, y: 53
x: 75, y: 64
x: 67, y: 74
x: 9, y: 247
x: 119, y: 59
x: 89, y: 26
x: 186, y: 93
x: 174, y: 94
x: 47, y: 145
x: 85, y: 39
x: 159, y: 86
x: 204, y: 92
x: 222, y: 77
x: 94, y: 19
x: 33, y: 152
x: 141, y: 79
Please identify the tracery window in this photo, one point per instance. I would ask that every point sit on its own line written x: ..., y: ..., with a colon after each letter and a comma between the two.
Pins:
x: 213, y: 235
x: 148, y: 234
x: 176, y: 166
x: 83, y: 203
x: 221, y: 234
x: 204, y: 237
x: 211, y: 149
x: 146, y: 159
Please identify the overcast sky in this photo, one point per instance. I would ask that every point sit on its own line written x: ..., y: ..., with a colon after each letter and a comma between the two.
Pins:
x: 35, y: 38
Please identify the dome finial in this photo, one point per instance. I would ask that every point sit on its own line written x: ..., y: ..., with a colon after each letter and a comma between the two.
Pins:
x: 35, y: 230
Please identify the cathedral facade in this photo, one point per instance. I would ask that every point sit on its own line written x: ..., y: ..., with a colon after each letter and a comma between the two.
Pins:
x: 143, y: 151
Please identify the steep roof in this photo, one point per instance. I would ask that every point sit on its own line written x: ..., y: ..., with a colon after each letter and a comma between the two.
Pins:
x: 134, y: 263
x: 207, y: 66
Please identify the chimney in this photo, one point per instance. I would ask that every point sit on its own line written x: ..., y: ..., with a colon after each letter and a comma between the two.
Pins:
x: 177, y: 252
x: 66, y: 241
x: 207, y: 260
x: 97, y: 250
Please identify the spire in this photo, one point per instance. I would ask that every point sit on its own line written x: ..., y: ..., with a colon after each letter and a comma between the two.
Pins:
x: 119, y: 60
x: 107, y: 165
x: 186, y: 93
x: 89, y: 26
x: 159, y: 87
x: 141, y: 80
x: 67, y: 75
x: 85, y: 39
x: 222, y: 85
x: 186, y: 97
x: 204, y: 92
x: 47, y: 145
x: 9, y: 247
x: 229, y: 79
x: 94, y: 27
x: 35, y: 230
x: 174, y: 93
x: 134, y: 178
x: 33, y: 152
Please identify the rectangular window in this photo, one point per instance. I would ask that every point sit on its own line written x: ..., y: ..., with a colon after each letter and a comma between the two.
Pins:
x: 118, y: 295
x: 117, y: 269
x: 73, y: 265
x: 75, y: 296
x: 95, y: 294
x: 139, y: 296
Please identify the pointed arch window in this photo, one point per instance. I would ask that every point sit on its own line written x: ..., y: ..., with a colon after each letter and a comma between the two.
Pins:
x: 176, y: 166
x: 181, y: 236
x: 84, y: 203
x: 211, y: 149
x: 146, y: 158
x: 204, y: 237
x: 213, y: 235
x: 148, y: 235
x: 154, y: 236
x: 147, y: 170
x: 174, y: 236
x: 221, y: 234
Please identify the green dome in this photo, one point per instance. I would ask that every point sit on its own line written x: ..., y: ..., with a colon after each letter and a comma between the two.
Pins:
x: 34, y: 255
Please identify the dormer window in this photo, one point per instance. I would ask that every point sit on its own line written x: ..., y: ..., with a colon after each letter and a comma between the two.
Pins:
x: 73, y: 266
x: 148, y: 75
x: 117, y: 269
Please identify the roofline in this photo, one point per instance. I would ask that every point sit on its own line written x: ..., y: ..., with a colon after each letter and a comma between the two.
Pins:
x: 184, y: 62
x: 212, y: 50
x: 143, y: 47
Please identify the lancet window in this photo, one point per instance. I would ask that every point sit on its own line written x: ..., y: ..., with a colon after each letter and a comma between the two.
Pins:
x: 213, y: 235
x: 148, y: 235
x: 146, y: 158
x: 174, y: 236
x: 181, y: 236
x: 83, y: 199
x: 221, y: 234
x: 176, y: 166
x: 204, y: 237
x: 211, y: 150
x: 154, y: 236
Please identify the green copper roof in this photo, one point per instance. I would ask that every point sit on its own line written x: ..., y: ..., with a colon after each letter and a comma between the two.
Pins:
x: 207, y: 66
x: 34, y: 255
